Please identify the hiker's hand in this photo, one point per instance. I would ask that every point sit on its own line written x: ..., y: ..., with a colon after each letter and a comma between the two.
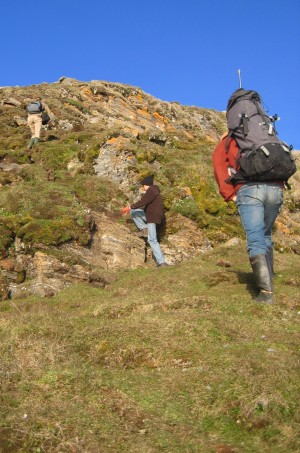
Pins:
x: 234, y: 198
x: 126, y: 210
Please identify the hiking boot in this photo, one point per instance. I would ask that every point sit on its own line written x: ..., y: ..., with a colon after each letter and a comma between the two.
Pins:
x: 263, y: 278
x: 265, y: 297
x: 162, y: 265
x: 31, y: 143
x: 142, y: 233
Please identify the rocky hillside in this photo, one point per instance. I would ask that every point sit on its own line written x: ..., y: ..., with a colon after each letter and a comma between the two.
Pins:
x: 60, y: 202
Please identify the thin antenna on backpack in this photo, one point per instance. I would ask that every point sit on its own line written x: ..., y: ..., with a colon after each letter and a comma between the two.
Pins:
x: 240, y: 78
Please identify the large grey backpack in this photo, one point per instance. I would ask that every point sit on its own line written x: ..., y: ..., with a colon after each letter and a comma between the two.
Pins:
x: 248, y: 122
x: 263, y: 156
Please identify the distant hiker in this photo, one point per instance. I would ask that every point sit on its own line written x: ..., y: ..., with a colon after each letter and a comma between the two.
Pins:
x: 38, y: 114
x: 147, y: 219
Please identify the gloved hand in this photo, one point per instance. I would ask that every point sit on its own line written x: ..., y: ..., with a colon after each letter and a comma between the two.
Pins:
x: 126, y: 210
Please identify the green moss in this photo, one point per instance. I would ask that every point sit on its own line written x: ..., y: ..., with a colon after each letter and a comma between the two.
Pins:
x: 49, y: 213
x: 188, y: 208
x: 171, y: 195
x: 90, y: 154
x: 21, y: 276
x: 141, y: 155
x: 96, y: 193
x: 54, y: 155
x: 78, y: 105
x: 55, y: 232
x: 206, y: 196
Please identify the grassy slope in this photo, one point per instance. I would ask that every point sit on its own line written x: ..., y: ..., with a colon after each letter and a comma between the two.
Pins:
x: 164, y: 360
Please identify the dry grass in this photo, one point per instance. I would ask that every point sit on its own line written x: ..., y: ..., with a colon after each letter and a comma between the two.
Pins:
x: 171, y: 360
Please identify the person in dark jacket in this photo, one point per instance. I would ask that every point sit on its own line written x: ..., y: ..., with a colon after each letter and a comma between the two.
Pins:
x: 146, y: 219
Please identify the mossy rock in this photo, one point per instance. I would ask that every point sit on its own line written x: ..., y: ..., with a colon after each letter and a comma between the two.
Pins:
x: 55, y: 232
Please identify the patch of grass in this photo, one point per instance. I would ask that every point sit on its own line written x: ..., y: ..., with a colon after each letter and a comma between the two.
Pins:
x: 77, y: 104
x: 96, y: 193
x: 54, y: 155
x: 158, y: 361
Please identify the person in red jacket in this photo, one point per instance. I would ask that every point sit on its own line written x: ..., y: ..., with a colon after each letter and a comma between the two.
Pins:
x: 146, y: 219
x: 258, y: 205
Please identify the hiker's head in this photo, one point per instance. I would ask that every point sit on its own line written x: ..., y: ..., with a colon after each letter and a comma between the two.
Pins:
x: 37, y: 97
x: 148, y: 181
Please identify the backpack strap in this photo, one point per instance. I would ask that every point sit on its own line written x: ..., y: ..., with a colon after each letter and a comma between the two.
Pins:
x: 265, y: 118
x: 238, y: 155
x: 244, y: 121
x: 233, y: 171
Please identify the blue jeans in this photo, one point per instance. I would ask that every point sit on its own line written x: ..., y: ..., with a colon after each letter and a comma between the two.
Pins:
x: 258, y: 205
x: 139, y: 218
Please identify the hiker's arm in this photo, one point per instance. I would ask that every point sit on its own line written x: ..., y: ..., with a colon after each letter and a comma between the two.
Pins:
x: 147, y: 198
x: 220, y: 163
x: 48, y: 111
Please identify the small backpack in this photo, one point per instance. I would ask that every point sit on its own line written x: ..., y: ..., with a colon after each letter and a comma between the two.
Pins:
x: 34, y: 107
x: 262, y: 156
x: 45, y: 118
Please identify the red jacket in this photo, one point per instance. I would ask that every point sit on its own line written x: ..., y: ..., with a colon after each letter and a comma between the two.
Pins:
x: 223, y: 162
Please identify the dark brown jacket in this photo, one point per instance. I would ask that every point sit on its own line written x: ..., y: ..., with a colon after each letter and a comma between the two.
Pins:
x: 153, y: 205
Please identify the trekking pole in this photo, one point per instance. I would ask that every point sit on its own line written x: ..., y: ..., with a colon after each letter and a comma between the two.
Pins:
x: 240, y: 78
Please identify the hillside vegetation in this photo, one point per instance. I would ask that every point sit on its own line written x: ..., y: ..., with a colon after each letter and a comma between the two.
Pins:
x: 118, y: 355
x: 172, y: 142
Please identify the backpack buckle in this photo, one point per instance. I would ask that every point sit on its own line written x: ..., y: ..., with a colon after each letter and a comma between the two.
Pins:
x: 265, y: 151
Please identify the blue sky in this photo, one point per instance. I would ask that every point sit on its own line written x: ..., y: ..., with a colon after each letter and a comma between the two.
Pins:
x: 186, y: 51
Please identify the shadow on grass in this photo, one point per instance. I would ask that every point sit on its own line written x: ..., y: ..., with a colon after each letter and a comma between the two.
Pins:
x: 247, y: 279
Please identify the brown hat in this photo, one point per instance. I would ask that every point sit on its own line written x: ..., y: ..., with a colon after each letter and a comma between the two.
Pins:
x: 148, y: 181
